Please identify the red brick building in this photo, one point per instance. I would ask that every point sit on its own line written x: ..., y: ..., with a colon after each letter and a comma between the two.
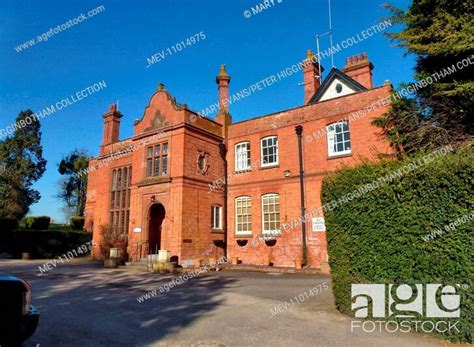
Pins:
x: 201, y: 188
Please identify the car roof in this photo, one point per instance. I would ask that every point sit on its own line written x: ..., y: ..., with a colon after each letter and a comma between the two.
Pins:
x: 7, y: 277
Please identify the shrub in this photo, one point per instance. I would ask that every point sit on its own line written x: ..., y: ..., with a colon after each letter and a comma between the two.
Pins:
x: 46, y: 244
x: 59, y: 227
x: 381, y: 236
x: 8, y: 224
x: 110, y: 236
x: 37, y: 223
x: 77, y: 223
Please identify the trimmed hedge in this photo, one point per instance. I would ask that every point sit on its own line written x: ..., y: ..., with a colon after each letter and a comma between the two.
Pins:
x: 379, y: 237
x: 8, y: 224
x: 43, y: 244
x: 77, y: 223
x: 59, y: 227
x: 37, y: 223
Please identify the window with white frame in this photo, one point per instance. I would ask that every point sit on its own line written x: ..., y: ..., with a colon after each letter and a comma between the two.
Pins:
x: 243, y: 215
x: 216, y: 217
x: 271, y: 214
x: 242, y: 156
x: 339, y: 139
x: 269, y: 151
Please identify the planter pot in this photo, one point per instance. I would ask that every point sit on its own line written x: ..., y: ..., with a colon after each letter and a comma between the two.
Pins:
x: 163, y: 268
x: 298, y: 264
x: 115, y: 252
x: 266, y: 261
x: 212, y: 261
x: 122, y: 245
x: 234, y: 260
x: 111, y: 263
x: 197, y: 262
x: 26, y: 256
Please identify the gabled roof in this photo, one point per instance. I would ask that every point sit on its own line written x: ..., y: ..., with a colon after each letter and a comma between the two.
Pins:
x: 335, y: 74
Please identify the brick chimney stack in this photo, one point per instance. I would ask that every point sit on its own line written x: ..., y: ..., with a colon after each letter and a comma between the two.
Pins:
x: 359, y: 68
x: 311, y: 78
x: 223, y: 81
x: 111, y: 125
x: 223, y: 117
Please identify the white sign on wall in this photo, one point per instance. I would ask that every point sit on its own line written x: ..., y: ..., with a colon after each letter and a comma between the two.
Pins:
x: 318, y: 224
x: 137, y: 230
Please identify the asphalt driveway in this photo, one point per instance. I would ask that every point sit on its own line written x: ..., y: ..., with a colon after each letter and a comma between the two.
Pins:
x: 83, y: 304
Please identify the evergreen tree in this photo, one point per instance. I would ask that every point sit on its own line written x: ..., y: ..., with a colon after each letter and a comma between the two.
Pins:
x: 73, y: 187
x: 440, y: 33
x: 21, y: 157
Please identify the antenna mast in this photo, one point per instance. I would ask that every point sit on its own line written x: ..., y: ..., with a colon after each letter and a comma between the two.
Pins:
x: 330, y: 41
x: 330, y: 32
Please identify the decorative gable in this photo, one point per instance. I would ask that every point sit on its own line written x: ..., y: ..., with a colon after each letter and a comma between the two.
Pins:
x: 335, y: 85
x: 162, y: 111
x: 335, y: 89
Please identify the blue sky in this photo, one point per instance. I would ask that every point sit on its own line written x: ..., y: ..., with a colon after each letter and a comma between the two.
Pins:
x: 114, y: 46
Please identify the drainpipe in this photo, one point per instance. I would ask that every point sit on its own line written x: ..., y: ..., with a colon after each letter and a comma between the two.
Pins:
x: 299, y: 132
x: 223, y: 152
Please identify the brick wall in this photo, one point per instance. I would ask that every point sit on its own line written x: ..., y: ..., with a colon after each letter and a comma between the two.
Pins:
x: 366, y: 140
x: 188, y: 192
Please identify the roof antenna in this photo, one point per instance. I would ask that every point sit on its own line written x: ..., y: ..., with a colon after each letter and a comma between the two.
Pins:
x: 117, y: 104
x: 318, y: 36
x: 330, y: 31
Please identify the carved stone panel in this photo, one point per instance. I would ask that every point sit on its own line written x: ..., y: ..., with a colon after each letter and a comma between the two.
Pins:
x: 158, y: 122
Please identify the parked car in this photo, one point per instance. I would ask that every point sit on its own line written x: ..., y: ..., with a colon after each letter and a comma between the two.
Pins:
x: 18, y: 319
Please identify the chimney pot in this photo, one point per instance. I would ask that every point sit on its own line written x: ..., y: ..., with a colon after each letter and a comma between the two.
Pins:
x: 360, y: 68
x: 223, y: 80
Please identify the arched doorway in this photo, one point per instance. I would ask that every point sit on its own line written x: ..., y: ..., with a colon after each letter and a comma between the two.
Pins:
x: 156, y: 217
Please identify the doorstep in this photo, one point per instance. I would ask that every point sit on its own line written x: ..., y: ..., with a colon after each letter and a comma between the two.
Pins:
x: 264, y: 268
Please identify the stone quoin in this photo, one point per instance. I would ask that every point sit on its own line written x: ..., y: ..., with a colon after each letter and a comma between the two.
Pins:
x: 205, y: 188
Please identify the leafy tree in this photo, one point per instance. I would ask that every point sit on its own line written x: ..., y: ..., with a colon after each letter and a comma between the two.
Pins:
x: 21, y: 158
x: 440, y: 33
x: 73, y: 187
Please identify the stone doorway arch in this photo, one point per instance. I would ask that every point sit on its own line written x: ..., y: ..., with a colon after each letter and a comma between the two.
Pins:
x: 156, y: 216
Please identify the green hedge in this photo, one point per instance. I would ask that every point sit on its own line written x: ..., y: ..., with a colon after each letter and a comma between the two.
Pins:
x: 379, y: 237
x: 59, y: 227
x: 43, y: 244
x: 8, y: 224
x: 37, y: 223
x: 77, y: 223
